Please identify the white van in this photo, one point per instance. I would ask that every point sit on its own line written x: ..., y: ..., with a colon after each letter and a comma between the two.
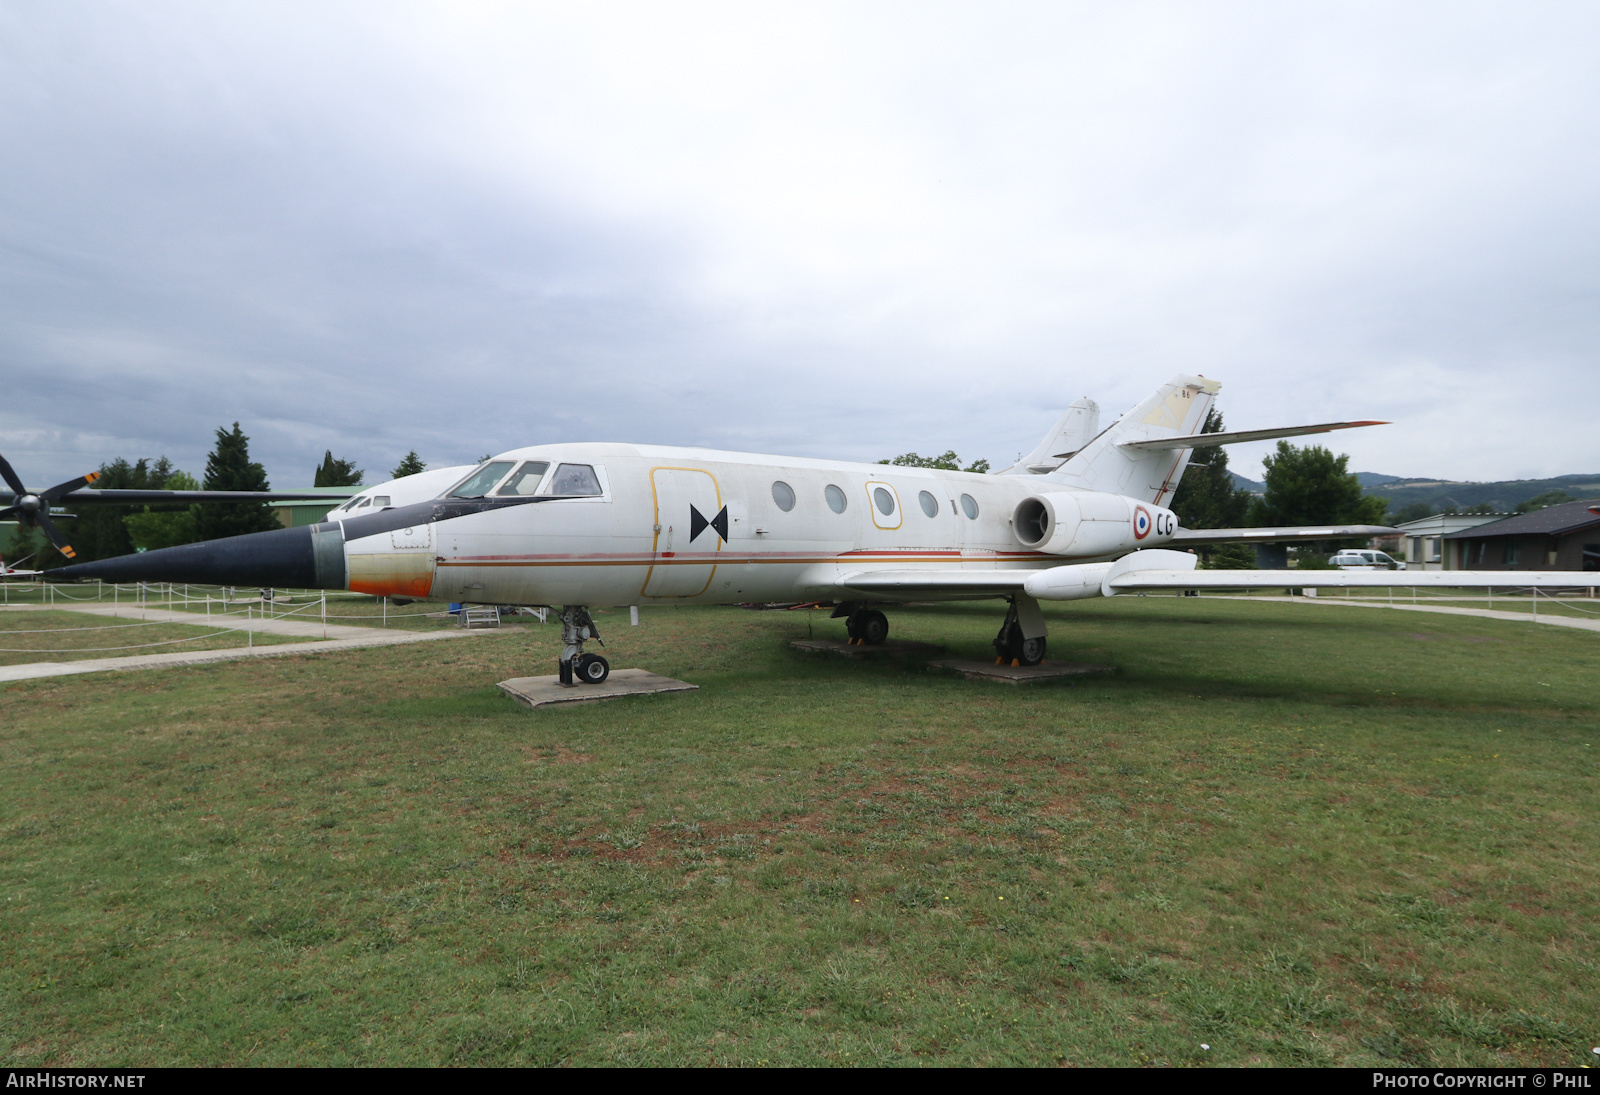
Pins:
x: 1364, y: 559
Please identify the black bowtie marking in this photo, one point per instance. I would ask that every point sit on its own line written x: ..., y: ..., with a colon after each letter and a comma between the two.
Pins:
x: 698, y: 523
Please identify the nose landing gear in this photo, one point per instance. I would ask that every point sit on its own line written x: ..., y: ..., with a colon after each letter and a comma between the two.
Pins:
x: 576, y: 666
x: 1021, y: 640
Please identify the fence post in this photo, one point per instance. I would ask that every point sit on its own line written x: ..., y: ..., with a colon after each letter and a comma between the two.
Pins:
x: 1535, y: 602
x: 324, y: 614
x: 249, y: 629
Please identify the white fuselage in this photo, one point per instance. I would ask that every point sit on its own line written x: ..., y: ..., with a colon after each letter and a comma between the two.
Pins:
x: 654, y: 534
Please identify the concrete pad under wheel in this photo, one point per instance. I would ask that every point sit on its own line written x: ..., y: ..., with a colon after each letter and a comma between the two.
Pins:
x: 901, y: 648
x: 976, y: 669
x: 538, y: 691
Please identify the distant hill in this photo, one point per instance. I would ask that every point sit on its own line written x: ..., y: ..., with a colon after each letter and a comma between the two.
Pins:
x: 1448, y: 495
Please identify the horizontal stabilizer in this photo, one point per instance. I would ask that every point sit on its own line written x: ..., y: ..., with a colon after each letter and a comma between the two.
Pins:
x: 1202, y: 440
x: 1138, y: 580
x: 1280, y: 534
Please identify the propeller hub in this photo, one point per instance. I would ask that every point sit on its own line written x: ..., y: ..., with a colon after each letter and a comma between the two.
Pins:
x: 29, y: 503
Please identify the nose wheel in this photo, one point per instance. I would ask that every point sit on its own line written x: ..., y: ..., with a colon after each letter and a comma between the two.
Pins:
x: 577, y: 667
x: 591, y: 669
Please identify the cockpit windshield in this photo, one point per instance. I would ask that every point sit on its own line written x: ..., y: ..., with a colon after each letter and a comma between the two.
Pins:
x: 479, y: 482
x: 526, y: 479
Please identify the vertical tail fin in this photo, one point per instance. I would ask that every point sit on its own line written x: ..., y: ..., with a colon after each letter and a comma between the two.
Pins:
x: 1072, y: 431
x: 1177, y: 409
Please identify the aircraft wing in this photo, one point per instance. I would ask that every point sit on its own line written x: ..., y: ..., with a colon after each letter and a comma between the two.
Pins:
x: 88, y: 495
x: 1187, y: 537
x: 1202, y: 440
x: 1134, y: 581
x: 935, y: 581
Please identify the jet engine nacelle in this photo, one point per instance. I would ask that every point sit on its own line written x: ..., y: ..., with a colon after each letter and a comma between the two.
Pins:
x: 1090, y: 523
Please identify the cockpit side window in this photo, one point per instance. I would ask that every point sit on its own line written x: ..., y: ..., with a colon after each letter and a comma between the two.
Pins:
x: 365, y: 502
x: 481, y: 481
x: 575, y: 480
x: 525, y: 480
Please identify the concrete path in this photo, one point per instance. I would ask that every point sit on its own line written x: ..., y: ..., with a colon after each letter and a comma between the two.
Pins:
x: 301, y: 626
x: 1487, y: 613
x: 340, y: 637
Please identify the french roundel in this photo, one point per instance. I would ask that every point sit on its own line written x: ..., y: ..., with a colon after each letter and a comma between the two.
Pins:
x: 1141, y: 522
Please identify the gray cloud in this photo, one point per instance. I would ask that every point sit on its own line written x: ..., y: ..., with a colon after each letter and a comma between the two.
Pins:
x: 830, y: 231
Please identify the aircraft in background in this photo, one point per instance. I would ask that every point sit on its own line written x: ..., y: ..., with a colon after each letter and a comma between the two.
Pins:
x: 31, y: 509
x: 9, y: 571
x: 580, y: 525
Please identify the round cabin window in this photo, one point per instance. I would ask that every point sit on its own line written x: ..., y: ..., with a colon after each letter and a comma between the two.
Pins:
x: 883, y: 500
x: 969, y: 506
x: 835, y: 497
x: 783, y: 495
x: 930, y: 504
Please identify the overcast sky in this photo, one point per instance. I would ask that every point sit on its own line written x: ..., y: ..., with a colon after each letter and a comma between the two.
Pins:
x: 825, y: 230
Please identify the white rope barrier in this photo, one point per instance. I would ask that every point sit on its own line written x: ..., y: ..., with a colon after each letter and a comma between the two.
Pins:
x: 102, y: 649
x: 102, y: 627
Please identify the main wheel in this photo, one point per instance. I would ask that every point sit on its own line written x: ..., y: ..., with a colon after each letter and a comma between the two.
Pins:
x: 591, y: 669
x: 1008, y: 643
x: 872, y: 626
x: 1032, y: 652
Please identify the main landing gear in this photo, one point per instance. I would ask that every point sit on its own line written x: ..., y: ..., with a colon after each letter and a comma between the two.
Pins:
x: 576, y: 666
x: 865, y: 626
x: 1021, y: 640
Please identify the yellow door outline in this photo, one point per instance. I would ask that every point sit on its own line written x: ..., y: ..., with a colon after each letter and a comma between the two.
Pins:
x: 655, y: 542
x: 899, y: 510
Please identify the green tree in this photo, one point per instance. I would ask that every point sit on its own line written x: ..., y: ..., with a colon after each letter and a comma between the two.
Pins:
x: 101, y: 532
x: 1312, y: 486
x: 229, y: 468
x: 1208, y: 498
x: 1544, y: 501
x: 411, y: 465
x: 337, y: 473
x: 949, y: 461
x: 24, y: 543
x: 153, y: 527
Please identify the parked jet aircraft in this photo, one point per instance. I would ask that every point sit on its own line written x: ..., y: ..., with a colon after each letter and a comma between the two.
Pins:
x: 9, y: 571
x: 579, y: 525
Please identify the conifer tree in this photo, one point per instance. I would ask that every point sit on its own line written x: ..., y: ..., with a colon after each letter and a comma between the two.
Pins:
x: 411, y: 465
x: 338, y: 473
x: 229, y: 468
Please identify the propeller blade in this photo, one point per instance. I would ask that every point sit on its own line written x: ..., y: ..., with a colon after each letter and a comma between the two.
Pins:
x: 54, y: 533
x: 9, y: 512
x: 68, y: 487
x: 10, y: 476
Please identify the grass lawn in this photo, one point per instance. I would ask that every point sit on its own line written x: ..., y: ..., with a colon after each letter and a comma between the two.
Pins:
x: 62, y: 636
x: 1294, y: 834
